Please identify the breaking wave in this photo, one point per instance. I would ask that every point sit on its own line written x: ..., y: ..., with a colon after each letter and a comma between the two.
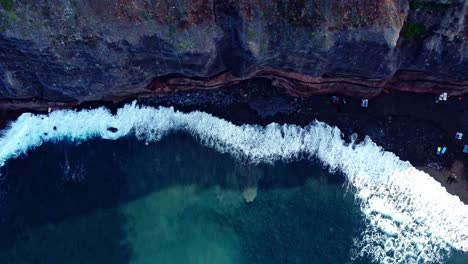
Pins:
x: 409, y: 216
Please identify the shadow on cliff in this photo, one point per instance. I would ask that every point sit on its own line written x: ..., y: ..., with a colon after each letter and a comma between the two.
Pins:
x: 230, y: 49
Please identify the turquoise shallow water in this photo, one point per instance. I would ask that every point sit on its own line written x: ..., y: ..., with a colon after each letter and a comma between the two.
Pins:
x: 172, y: 201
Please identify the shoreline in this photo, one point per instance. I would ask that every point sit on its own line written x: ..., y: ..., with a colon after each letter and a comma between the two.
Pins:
x: 291, y: 83
x: 410, y: 125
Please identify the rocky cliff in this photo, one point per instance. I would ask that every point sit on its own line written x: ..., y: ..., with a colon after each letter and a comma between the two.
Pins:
x: 71, y: 51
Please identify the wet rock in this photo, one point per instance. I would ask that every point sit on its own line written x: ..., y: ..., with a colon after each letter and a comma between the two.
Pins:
x: 112, y: 129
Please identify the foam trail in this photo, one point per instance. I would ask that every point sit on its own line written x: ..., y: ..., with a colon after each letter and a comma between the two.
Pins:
x: 410, y: 216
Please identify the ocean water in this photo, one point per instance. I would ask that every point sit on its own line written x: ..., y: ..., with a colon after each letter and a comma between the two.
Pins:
x: 159, y: 186
x: 174, y: 201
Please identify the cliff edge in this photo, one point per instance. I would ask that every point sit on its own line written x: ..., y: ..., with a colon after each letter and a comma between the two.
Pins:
x: 67, y: 52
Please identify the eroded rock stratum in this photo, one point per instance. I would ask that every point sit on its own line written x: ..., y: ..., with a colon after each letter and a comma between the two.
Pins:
x: 70, y: 51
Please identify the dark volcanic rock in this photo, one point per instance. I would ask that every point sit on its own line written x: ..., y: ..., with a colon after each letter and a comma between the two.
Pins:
x: 71, y: 51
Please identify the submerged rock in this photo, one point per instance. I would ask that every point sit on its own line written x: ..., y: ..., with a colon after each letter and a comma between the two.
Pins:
x: 250, y: 194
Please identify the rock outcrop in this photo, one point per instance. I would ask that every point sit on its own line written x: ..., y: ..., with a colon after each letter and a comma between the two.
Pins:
x: 65, y: 52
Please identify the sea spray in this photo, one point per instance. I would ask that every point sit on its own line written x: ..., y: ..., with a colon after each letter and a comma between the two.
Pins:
x: 410, y: 216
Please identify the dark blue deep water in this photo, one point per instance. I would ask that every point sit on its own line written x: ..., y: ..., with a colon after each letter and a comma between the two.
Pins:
x: 173, y: 201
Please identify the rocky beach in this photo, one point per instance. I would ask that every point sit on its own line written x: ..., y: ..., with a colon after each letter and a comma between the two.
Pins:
x: 242, y: 90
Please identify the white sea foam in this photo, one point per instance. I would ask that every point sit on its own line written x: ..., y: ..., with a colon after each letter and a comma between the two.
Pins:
x: 410, y: 216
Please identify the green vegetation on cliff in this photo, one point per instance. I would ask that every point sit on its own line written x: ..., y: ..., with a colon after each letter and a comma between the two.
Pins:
x: 415, y: 31
x: 7, y: 14
x: 7, y: 4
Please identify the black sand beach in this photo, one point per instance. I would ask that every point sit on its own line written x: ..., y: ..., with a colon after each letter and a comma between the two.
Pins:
x: 410, y: 125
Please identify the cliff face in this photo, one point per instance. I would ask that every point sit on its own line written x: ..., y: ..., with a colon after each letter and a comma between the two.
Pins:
x: 80, y: 50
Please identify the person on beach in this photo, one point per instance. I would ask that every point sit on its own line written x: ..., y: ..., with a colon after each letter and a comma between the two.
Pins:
x: 452, y: 177
x: 457, y: 169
